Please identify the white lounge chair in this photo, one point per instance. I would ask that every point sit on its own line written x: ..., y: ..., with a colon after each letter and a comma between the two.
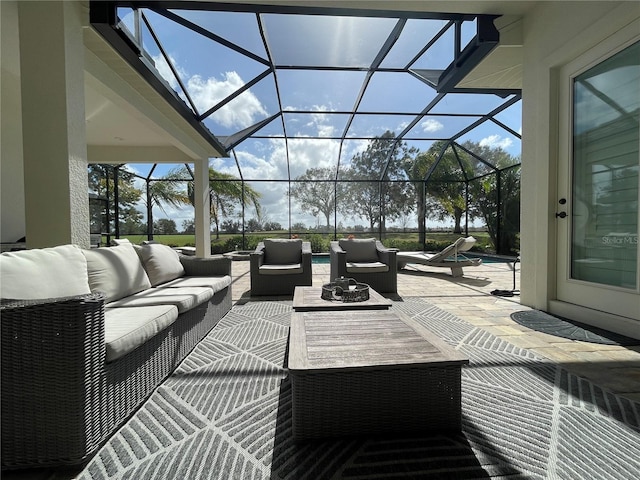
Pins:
x: 450, y: 257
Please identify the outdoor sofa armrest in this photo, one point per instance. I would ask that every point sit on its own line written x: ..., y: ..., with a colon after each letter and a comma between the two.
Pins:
x: 335, y: 248
x: 216, y: 265
x: 337, y: 255
x: 52, y: 371
x: 337, y: 260
x: 386, y: 255
x: 307, y: 255
x: 256, y: 258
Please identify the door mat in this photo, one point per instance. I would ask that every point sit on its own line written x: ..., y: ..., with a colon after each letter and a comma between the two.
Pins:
x: 561, y: 327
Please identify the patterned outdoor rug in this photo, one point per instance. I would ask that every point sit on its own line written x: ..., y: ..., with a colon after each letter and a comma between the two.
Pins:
x: 226, y: 413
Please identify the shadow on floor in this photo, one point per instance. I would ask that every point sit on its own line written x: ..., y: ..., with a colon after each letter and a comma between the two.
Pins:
x: 470, y: 281
x: 393, y: 456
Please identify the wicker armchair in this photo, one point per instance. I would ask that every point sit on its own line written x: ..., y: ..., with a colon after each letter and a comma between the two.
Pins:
x: 366, y: 261
x: 279, y: 265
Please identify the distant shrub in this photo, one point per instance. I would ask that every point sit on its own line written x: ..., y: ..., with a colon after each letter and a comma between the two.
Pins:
x: 319, y: 243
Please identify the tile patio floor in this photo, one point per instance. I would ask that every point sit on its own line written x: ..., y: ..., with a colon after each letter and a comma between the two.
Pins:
x: 468, y: 297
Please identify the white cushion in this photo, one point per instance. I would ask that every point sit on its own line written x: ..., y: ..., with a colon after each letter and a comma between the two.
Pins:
x: 366, y: 267
x: 214, y: 283
x: 161, y: 262
x: 467, y: 244
x: 115, y: 271
x: 43, y: 273
x: 125, y: 329
x: 359, y: 249
x: 282, y: 251
x: 120, y: 241
x: 184, y: 298
x: 289, y: 269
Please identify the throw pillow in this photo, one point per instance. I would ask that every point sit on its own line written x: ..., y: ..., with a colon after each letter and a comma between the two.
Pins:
x: 43, y: 273
x: 116, y: 271
x: 282, y: 251
x: 359, y: 249
x: 161, y: 262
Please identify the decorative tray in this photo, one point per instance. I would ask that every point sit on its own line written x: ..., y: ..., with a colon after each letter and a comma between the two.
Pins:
x: 350, y: 291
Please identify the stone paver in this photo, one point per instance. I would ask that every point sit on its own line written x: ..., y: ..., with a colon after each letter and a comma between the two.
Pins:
x: 469, y: 297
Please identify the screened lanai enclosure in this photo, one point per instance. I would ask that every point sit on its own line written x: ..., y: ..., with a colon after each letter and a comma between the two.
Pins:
x: 330, y: 122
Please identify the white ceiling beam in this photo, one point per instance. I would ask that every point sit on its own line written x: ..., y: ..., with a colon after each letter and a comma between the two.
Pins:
x: 115, y: 155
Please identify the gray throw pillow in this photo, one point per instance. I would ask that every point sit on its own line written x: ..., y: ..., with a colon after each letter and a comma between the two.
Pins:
x: 116, y: 271
x: 161, y: 262
x: 359, y: 249
x: 282, y: 251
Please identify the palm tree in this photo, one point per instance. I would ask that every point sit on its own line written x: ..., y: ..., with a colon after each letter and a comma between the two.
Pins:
x: 166, y: 191
x: 225, y: 192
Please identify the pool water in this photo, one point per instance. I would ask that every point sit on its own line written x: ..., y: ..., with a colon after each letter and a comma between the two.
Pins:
x: 324, y: 259
x: 491, y: 258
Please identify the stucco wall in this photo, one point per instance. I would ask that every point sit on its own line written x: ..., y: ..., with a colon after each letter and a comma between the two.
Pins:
x: 555, y: 33
x: 12, y: 209
x: 53, y: 123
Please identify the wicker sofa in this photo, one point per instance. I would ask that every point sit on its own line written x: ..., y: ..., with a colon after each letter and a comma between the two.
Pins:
x: 78, y: 363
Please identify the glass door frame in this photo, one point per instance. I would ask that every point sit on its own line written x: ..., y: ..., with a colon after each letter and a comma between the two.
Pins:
x: 618, y: 301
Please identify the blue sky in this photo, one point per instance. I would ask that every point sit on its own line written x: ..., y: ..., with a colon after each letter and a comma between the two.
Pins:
x: 211, y: 71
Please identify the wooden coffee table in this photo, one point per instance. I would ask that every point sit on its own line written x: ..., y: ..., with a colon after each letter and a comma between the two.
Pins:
x: 371, y: 372
x: 306, y: 299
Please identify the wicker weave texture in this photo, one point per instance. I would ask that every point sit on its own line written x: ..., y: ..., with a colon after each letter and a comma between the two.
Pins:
x: 60, y: 400
x: 52, y: 409
x: 372, y: 402
x: 279, y: 284
x: 383, y: 282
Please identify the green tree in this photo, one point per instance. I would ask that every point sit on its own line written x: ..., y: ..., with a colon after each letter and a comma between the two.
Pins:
x: 314, y: 190
x: 442, y: 194
x: 170, y: 190
x: 378, y: 201
x: 101, y: 183
x: 165, y: 226
x: 225, y: 192
x: 299, y: 227
x: 189, y: 226
x: 417, y: 171
x: 253, y: 225
x: 495, y: 197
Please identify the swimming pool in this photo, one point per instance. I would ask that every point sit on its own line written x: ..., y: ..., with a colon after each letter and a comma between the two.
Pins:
x: 323, y: 259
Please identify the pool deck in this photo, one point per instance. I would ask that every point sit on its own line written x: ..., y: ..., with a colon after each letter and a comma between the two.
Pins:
x: 469, y: 297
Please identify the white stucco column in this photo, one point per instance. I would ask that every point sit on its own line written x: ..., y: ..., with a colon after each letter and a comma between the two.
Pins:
x: 12, y: 226
x: 202, y: 208
x: 53, y: 121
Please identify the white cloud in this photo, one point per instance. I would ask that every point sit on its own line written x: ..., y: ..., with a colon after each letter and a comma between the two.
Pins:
x: 430, y: 125
x: 496, y: 141
x: 271, y: 163
x: 240, y: 113
x: 165, y: 72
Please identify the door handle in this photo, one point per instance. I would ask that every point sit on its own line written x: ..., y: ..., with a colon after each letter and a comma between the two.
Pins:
x: 561, y: 215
